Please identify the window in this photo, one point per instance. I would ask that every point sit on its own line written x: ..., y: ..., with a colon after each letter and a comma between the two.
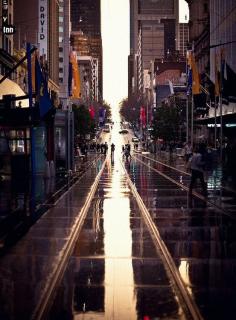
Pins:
x: 60, y: 59
x: 61, y: 29
x: 61, y: 19
x: 60, y: 39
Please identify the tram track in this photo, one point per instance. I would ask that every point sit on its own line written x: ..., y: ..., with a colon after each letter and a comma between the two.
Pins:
x: 181, y: 171
x: 44, y: 303
x: 181, y: 185
x: 183, y: 297
x: 165, y: 255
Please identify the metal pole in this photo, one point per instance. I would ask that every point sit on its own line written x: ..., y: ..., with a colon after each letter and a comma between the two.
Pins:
x: 187, y: 116
x: 221, y: 129
x: 32, y: 133
x: 215, y: 124
x: 68, y: 137
x: 192, y: 122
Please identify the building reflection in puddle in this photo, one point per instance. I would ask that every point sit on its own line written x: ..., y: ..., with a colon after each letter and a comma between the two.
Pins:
x: 120, y: 299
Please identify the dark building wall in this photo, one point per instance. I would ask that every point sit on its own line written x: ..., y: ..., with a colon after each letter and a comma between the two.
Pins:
x: 169, y: 36
x: 86, y: 16
x: 26, y: 22
x: 53, y: 40
x: 162, y: 7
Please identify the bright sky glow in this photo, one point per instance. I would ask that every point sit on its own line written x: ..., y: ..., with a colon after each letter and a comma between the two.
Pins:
x: 183, y: 11
x: 115, y: 37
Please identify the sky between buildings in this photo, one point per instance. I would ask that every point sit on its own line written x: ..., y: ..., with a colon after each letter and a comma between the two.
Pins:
x: 115, y: 37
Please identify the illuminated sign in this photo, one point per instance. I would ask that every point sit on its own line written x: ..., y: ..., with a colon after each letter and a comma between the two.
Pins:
x: 230, y: 125
x: 7, y: 29
x: 43, y: 27
x: 212, y: 125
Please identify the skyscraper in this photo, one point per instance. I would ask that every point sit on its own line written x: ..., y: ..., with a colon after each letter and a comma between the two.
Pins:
x: 86, y: 19
x: 153, y: 35
x: 64, y: 50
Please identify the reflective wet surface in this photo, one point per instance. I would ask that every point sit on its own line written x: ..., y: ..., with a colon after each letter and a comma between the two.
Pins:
x: 115, y: 270
x: 200, y: 238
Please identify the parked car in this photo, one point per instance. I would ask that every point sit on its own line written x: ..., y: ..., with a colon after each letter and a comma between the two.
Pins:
x: 124, y: 131
x: 135, y: 139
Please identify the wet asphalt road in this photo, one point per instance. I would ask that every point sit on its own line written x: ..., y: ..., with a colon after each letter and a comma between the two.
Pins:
x: 116, y: 270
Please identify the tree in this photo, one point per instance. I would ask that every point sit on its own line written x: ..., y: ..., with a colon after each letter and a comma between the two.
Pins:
x: 82, y: 120
x: 130, y: 109
x: 166, y: 121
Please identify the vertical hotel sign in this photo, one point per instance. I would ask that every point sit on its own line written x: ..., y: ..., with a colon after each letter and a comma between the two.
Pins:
x: 43, y: 27
x: 7, y: 28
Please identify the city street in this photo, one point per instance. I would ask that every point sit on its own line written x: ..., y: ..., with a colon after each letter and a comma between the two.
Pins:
x: 126, y: 242
x: 117, y: 160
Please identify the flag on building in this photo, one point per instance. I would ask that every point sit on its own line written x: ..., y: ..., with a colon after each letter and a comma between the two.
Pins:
x: 193, y: 75
x: 143, y: 116
x: 75, y: 88
x: 42, y: 95
x: 102, y: 114
x: 91, y: 112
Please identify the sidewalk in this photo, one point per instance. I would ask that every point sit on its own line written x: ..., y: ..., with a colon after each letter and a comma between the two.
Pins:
x: 28, y: 267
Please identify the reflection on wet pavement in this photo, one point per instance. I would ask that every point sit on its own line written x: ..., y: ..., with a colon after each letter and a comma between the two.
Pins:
x: 115, y: 271
x: 200, y: 238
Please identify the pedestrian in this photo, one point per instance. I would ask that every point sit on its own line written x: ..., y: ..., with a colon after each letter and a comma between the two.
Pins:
x: 196, y: 164
x: 127, y: 153
x: 102, y: 148
x: 112, y: 148
x: 105, y: 148
x: 187, y: 152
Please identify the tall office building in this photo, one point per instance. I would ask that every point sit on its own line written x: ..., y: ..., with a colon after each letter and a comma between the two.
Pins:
x: 153, y: 35
x: 86, y: 20
x: 183, y: 38
x: 64, y: 50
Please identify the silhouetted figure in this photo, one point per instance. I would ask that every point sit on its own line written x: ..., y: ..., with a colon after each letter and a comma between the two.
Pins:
x: 197, y: 164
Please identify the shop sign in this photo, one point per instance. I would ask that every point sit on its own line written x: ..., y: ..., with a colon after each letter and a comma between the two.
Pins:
x: 230, y: 125
x: 212, y: 125
x: 43, y: 27
x: 7, y: 28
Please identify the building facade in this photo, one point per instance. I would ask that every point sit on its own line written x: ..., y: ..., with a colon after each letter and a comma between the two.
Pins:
x: 39, y: 26
x: 64, y: 50
x: 6, y: 41
x: 183, y: 38
x: 199, y: 33
x: 86, y: 33
x: 153, y: 35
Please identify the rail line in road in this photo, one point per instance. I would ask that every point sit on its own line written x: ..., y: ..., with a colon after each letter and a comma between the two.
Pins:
x: 181, y: 171
x: 181, y: 185
x: 46, y: 299
x: 181, y: 293
x: 167, y: 259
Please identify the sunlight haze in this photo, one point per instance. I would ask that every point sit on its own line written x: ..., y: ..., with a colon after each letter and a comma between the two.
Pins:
x: 115, y: 38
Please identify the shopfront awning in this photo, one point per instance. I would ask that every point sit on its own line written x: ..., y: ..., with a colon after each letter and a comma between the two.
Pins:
x: 10, y: 87
x: 226, y: 118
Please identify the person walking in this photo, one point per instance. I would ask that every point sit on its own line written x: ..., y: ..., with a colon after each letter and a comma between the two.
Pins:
x: 105, y: 148
x: 187, y: 152
x: 196, y: 164
x: 112, y: 151
x: 112, y: 148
